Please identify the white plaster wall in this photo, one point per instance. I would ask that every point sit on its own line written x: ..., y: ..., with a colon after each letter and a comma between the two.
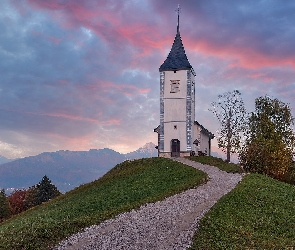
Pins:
x: 204, y: 143
x: 174, y: 110
x: 171, y: 133
x: 179, y: 75
x: 203, y: 138
x: 196, y: 136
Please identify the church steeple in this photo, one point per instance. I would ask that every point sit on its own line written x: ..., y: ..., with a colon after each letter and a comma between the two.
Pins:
x: 178, y: 11
x: 177, y: 59
x: 178, y: 133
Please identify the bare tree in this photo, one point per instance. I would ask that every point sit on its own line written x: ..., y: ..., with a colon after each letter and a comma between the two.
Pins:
x: 231, y: 114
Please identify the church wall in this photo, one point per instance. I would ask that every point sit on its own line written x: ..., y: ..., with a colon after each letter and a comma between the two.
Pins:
x: 205, y: 143
x: 179, y: 75
x: 197, y: 134
x: 203, y: 139
x: 174, y: 133
x: 174, y: 110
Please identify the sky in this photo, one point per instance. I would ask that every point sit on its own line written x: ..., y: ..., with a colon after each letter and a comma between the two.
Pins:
x: 84, y: 74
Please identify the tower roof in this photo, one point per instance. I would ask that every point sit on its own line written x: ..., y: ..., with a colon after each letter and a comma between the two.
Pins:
x: 177, y: 59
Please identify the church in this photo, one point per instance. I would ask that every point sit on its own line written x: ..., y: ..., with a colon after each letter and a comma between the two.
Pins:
x: 179, y: 134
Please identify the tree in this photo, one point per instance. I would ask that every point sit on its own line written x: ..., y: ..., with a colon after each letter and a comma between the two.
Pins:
x: 231, y: 114
x: 31, y: 197
x: 46, y: 190
x: 4, y: 206
x: 270, y: 139
x: 17, y: 201
x: 41, y: 192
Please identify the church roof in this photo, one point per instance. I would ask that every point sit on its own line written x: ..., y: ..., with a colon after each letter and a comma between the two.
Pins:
x: 177, y: 59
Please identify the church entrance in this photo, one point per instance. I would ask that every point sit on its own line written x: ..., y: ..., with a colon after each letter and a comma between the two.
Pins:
x: 175, y: 148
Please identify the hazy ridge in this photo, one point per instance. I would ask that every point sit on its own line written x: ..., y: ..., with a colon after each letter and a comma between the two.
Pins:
x: 66, y: 169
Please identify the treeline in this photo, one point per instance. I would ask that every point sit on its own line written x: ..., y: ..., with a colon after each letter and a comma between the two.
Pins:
x: 21, y: 200
x: 263, y: 139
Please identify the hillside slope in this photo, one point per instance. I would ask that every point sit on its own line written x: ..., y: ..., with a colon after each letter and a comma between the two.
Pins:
x: 257, y: 214
x: 126, y: 186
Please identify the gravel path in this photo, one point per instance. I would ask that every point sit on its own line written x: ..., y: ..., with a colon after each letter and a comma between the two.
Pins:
x: 167, y: 224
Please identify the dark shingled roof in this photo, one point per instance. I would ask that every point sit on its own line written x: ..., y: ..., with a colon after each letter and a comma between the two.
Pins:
x: 177, y: 59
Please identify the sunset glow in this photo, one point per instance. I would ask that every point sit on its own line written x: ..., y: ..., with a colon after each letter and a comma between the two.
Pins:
x: 78, y: 74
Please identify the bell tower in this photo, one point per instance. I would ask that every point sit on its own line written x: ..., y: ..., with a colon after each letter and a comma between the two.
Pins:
x: 177, y: 102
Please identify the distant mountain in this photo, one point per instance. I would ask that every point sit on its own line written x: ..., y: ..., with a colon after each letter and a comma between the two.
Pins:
x: 148, y: 150
x: 4, y: 160
x: 66, y: 169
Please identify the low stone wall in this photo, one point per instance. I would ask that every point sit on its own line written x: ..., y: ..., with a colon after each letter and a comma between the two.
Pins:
x: 165, y: 155
x: 168, y: 154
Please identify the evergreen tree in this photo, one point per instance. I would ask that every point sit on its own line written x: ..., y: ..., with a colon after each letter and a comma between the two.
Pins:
x: 4, y: 206
x: 46, y: 190
x: 31, y: 199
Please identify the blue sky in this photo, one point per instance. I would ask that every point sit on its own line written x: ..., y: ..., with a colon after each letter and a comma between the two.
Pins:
x: 84, y: 74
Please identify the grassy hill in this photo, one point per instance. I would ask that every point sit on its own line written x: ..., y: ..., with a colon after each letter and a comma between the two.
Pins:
x: 127, y: 186
x: 258, y: 214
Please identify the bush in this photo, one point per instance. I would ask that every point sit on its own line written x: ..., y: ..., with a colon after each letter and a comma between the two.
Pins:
x: 17, y: 201
x: 272, y: 159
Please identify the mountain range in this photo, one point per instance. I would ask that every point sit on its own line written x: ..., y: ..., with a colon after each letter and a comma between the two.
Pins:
x: 66, y: 169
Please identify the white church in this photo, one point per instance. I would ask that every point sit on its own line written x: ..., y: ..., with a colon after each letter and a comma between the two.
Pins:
x: 179, y: 134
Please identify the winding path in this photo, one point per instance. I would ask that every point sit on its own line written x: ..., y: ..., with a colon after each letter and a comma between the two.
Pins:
x: 167, y: 224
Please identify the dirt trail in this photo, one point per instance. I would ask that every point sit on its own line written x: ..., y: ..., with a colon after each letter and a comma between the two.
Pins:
x: 167, y: 224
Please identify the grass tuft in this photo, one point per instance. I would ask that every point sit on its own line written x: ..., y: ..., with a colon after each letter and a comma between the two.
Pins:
x: 127, y: 186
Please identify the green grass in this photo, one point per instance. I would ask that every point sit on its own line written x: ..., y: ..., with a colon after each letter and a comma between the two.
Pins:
x: 217, y: 162
x: 127, y: 186
x: 258, y: 214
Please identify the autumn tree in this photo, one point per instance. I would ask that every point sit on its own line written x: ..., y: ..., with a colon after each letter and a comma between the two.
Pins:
x: 231, y: 114
x: 4, y: 206
x: 17, y: 201
x: 270, y: 139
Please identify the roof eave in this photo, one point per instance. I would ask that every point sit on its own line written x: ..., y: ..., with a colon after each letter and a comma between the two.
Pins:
x: 175, y: 69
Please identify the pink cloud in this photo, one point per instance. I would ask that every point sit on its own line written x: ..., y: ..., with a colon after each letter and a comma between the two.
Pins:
x: 113, y: 25
x: 110, y: 24
x: 114, y: 121
x: 246, y: 57
x: 61, y: 115
x: 144, y: 91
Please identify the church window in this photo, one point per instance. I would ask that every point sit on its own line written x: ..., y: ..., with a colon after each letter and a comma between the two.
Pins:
x: 174, y: 86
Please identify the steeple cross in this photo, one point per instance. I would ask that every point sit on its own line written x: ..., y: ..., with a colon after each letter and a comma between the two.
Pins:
x: 178, y: 12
